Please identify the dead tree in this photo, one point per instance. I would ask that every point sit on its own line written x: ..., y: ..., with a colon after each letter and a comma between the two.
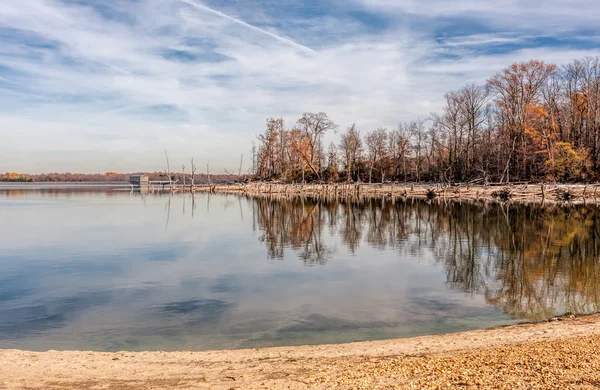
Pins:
x: 208, y: 174
x: 193, y: 173
x: 169, y: 171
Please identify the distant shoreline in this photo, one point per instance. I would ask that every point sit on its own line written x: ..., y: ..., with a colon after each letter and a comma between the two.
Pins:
x: 50, y: 183
x: 560, y: 193
x: 546, y: 354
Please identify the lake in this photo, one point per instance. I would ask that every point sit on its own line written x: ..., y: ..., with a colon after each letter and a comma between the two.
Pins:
x: 104, y: 269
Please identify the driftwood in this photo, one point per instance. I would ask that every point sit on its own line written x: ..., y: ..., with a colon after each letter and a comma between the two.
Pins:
x: 520, y: 192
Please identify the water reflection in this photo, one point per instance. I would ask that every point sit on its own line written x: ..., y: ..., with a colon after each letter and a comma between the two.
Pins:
x: 297, y: 224
x: 528, y: 259
x: 110, y: 269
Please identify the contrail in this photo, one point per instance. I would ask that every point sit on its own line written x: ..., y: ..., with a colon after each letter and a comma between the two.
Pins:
x: 251, y: 27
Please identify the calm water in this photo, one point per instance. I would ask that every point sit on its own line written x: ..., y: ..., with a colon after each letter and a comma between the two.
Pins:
x: 104, y: 269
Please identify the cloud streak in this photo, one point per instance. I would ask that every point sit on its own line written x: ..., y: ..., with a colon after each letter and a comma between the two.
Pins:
x: 251, y: 27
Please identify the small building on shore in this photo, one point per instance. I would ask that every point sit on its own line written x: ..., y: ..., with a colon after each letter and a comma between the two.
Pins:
x: 139, y: 181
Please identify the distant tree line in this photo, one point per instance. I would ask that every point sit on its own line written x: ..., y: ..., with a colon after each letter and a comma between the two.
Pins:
x: 533, y: 121
x: 111, y: 177
x: 15, y: 178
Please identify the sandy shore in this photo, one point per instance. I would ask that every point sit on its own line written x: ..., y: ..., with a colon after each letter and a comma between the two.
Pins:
x: 561, y: 354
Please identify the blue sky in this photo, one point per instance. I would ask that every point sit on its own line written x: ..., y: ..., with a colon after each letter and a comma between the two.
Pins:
x: 103, y: 85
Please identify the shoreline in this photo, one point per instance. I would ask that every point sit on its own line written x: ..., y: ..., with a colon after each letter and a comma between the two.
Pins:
x: 560, y: 349
x: 518, y: 193
x: 536, y: 193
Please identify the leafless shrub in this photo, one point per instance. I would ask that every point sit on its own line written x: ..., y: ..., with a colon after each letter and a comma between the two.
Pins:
x: 431, y: 194
x: 503, y: 195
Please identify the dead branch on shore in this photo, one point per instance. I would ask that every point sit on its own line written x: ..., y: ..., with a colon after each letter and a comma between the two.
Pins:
x: 503, y: 195
x: 513, y: 193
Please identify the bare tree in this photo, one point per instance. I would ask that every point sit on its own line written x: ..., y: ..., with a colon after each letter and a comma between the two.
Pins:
x: 253, y: 169
x: 208, y: 173
x: 473, y: 101
x: 376, y: 142
x: 332, y: 163
x: 351, y: 147
x: 452, y: 124
x: 417, y: 132
x: 401, y: 145
x: 314, y: 126
x: 169, y: 172
x: 193, y: 173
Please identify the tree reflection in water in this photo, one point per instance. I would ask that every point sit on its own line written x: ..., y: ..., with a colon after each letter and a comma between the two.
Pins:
x: 531, y: 260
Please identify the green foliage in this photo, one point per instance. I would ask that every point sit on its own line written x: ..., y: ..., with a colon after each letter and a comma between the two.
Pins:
x: 17, y: 180
x: 14, y: 177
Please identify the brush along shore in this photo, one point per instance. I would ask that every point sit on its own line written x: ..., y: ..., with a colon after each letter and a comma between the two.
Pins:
x: 552, y: 193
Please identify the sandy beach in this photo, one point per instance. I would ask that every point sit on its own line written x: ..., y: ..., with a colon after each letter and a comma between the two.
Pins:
x: 561, y: 353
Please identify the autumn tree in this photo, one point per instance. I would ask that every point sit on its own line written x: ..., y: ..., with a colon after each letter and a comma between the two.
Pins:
x: 531, y: 121
x: 15, y: 177
x: 314, y: 126
x: 566, y: 163
x: 517, y: 89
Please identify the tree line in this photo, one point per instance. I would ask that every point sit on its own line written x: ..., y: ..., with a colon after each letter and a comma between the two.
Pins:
x: 113, y: 177
x: 15, y: 177
x: 533, y: 121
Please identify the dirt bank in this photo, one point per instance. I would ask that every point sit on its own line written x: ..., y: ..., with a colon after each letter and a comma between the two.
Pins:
x: 559, y: 354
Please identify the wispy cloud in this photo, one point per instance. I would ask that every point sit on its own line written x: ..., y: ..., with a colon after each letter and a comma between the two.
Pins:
x: 199, y: 78
x: 251, y: 27
x: 483, y: 40
x: 550, y: 16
